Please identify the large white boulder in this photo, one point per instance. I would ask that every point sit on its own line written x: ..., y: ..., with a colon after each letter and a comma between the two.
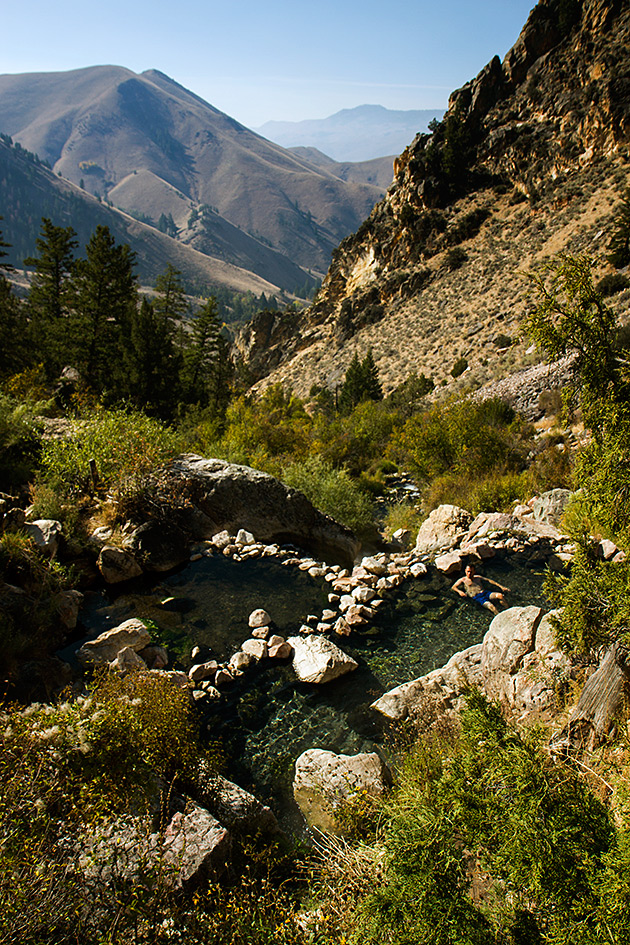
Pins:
x: 443, y: 529
x: 317, y: 659
x: 106, y: 647
x: 324, y: 781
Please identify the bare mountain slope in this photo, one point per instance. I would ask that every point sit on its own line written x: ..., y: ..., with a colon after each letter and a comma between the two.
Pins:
x: 29, y: 191
x: 531, y: 160
x: 100, y: 125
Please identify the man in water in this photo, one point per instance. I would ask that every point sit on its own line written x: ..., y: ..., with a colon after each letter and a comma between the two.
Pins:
x: 471, y: 585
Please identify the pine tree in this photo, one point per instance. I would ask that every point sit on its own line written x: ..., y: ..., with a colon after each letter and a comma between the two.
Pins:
x: 106, y: 300
x: 151, y: 360
x: 51, y: 296
x: 207, y: 368
x: 361, y: 383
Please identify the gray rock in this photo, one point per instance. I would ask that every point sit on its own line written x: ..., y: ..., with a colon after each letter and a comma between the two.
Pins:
x: 240, y: 661
x: 155, y: 657
x: 46, y: 533
x: 68, y: 604
x: 449, y: 563
x: 324, y: 781
x: 510, y: 637
x: 127, y: 661
x: 196, y: 848
x: 243, y: 537
x: 233, y: 806
x: 117, y: 565
x: 258, y: 649
x: 549, y: 507
x: 132, y: 633
x: 443, y: 529
x: 317, y: 660
x: 233, y: 497
x: 259, y: 618
x: 201, y: 671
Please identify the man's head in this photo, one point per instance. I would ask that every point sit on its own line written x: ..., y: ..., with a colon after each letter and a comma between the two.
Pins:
x: 469, y: 570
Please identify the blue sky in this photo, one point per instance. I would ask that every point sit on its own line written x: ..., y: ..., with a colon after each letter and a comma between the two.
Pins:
x: 285, y: 60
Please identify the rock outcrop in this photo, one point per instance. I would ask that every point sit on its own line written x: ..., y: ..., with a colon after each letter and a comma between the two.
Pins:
x: 528, y: 162
x: 517, y: 663
x: 230, y: 497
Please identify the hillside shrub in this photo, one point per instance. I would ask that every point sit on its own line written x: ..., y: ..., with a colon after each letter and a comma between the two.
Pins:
x: 332, y: 491
x: 123, y: 444
x: 459, y: 367
x: 20, y: 441
x: 488, y: 840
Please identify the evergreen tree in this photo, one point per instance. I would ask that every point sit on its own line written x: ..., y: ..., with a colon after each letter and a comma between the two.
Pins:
x: 372, y: 389
x: 106, y: 300
x: 171, y: 300
x: 13, y: 349
x: 151, y: 360
x: 361, y: 383
x: 4, y: 246
x: 207, y: 369
x: 51, y: 296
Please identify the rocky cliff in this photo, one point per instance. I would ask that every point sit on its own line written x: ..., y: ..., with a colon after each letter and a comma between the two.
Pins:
x: 530, y: 160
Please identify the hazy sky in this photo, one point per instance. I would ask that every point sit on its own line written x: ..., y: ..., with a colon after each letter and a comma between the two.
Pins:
x: 272, y: 59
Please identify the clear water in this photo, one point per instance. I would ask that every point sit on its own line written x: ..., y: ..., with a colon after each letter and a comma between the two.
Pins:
x: 268, y: 718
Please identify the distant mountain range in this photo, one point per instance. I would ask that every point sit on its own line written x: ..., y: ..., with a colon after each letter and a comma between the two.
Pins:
x: 353, y: 134
x: 148, y: 146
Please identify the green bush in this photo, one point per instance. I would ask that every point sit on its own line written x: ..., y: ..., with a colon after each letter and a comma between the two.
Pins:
x: 459, y: 367
x: 488, y: 840
x: 332, y: 491
x: 123, y: 444
x: 20, y: 441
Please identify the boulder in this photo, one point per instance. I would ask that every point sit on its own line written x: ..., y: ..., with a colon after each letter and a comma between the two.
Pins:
x: 46, y: 533
x: 318, y: 660
x: 105, y: 648
x: 549, y: 507
x: 201, y: 671
x: 127, y: 661
x: 325, y: 781
x: 68, y: 605
x: 117, y: 565
x: 450, y: 563
x: 510, y: 637
x: 240, y: 661
x: 233, y: 806
x: 155, y: 657
x: 259, y: 618
x: 196, y: 848
x: 280, y: 651
x: 233, y: 497
x: 442, y: 687
x: 160, y: 546
x: 256, y: 648
x: 443, y: 529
